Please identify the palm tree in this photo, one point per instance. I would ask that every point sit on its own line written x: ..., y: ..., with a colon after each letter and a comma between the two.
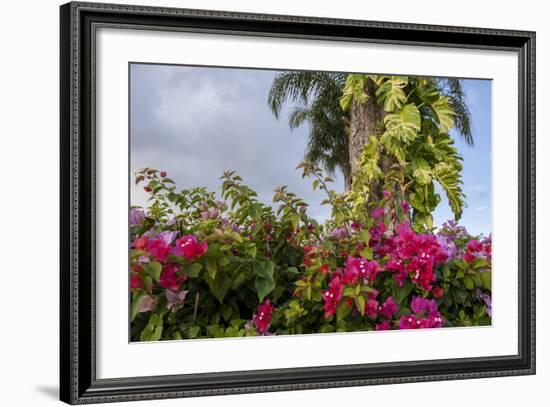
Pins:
x: 337, y: 137
x: 317, y: 96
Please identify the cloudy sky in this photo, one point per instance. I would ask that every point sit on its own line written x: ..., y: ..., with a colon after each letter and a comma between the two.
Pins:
x: 196, y: 122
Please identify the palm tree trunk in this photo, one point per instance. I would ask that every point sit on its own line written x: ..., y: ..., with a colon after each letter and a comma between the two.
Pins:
x: 364, y: 122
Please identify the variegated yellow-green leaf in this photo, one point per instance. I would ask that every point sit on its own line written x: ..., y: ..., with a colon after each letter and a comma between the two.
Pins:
x: 391, y: 93
x: 404, y: 124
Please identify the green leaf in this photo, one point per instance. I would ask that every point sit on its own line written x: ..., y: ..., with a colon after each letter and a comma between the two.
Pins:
x: 349, y: 292
x: 252, y: 250
x: 238, y: 280
x: 212, y: 269
x: 486, y: 279
x: 292, y: 270
x: 194, y: 270
x: 451, y: 182
x: 191, y: 331
x: 153, y: 330
x: 354, y: 91
x: 342, y: 311
x: 468, y: 283
x: 219, y: 285
x: 403, y: 125
x: 391, y: 93
x: 295, y: 219
x: 421, y: 170
x: 360, y: 303
x: 136, y: 300
x: 401, y: 293
x: 443, y: 114
x: 264, y: 282
x: 153, y: 269
x: 367, y: 253
x: 364, y: 236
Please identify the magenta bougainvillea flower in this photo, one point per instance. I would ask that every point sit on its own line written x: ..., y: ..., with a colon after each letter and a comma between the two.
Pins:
x: 158, y: 248
x: 170, y: 279
x: 477, y: 249
x: 371, y: 308
x: 359, y: 268
x: 396, y: 276
x: 414, y: 255
x: 141, y: 243
x: 383, y: 326
x: 135, y: 281
x: 414, y: 322
x: 438, y: 292
x: 426, y: 315
x: 388, y: 308
x: 262, y: 318
x: 378, y: 213
x: 421, y: 305
x: 333, y: 296
x: 189, y: 247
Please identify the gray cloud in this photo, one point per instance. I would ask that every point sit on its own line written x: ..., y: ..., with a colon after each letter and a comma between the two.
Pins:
x: 196, y: 122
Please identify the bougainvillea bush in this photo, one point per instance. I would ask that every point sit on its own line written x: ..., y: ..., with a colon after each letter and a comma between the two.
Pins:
x: 234, y: 266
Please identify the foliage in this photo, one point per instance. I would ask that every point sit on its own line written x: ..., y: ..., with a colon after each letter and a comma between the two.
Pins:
x: 415, y: 144
x: 317, y: 95
x: 201, y: 267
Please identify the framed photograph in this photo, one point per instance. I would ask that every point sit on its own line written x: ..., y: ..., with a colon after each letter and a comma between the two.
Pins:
x: 255, y: 203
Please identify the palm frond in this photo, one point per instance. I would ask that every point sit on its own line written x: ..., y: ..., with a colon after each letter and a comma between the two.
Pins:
x: 452, y: 88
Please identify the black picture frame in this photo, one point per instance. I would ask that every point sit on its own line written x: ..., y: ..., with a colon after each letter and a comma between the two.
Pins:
x: 78, y: 382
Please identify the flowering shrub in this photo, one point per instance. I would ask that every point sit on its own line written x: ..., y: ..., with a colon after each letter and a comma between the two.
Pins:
x: 201, y: 267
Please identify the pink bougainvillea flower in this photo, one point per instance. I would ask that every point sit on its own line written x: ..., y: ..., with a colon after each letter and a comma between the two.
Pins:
x: 168, y: 236
x: 421, y: 305
x: 333, y: 296
x: 474, y: 246
x: 135, y: 281
x: 147, y: 303
x: 386, y: 193
x: 438, y: 291
x: 371, y: 308
x: 414, y: 256
x: 137, y: 216
x: 426, y: 315
x: 189, y: 247
x: 406, y: 206
x: 141, y: 243
x: 158, y: 249
x: 339, y: 233
x: 413, y: 322
x: 388, y: 308
x: 355, y: 226
x: 325, y: 268
x: 170, y: 279
x: 210, y: 213
x: 262, y: 318
x: 383, y: 326
x: 378, y: 213
x: 175, y: 299
x: 360, y: 268
x: 478, y: 249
